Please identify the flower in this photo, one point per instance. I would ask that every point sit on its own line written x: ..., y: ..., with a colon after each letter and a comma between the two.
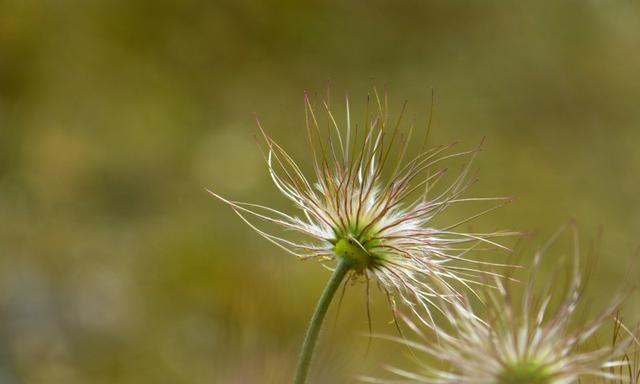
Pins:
x: 372, y: 209
x: 533, y: 341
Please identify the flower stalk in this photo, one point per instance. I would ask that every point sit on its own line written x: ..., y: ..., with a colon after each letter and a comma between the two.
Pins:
x: 310, y: 339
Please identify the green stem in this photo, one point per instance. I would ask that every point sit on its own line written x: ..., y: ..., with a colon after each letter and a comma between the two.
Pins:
x: 315, y: 324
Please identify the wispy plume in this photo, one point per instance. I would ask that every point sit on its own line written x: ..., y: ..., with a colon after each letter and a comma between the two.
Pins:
x: 532, y: 340
x: 373, y: 207
x: 628, y: 373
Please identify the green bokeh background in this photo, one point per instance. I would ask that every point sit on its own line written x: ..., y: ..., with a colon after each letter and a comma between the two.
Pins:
x: 117, y: 267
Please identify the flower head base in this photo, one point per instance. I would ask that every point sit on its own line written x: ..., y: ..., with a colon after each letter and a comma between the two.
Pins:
x: 371, y: 207
x: 356, y: 253
x: 528, y: 342
x: 527, y: 372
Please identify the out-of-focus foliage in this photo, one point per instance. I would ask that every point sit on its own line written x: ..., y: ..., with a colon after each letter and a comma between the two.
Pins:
x: 117, y: 267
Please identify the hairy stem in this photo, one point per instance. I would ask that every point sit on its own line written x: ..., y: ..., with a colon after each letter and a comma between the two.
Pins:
x: 315, y: 324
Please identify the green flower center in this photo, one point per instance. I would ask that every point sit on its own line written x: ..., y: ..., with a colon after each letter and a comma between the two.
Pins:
x: 524, y: 373
x: 351, y: 250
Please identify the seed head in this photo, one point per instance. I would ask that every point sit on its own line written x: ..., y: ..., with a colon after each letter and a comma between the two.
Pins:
x: 370, y: 206
x: 531, y: 341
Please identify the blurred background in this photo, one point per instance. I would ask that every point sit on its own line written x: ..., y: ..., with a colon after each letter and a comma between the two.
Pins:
x: 117, y: 267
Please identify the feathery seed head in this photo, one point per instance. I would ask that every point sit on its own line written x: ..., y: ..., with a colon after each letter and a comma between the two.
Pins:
x: 372, y: 207
x: 531, y: 341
